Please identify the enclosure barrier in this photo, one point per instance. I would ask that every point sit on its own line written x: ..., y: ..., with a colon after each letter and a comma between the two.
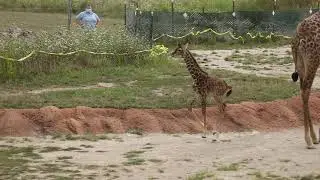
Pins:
x: 154, y: 25
x: 259, y: 34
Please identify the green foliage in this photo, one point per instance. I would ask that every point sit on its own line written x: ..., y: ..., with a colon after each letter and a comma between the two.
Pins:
x: 158, y: 50
x: 115, y: 8
x: 115, y: 40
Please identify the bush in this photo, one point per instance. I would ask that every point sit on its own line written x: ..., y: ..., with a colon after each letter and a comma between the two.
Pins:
x: 115, y: 41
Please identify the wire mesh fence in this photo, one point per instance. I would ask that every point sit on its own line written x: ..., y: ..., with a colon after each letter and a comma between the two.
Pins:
x: 150, y: 25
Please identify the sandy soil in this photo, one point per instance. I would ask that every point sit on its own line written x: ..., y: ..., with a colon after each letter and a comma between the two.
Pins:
x: 215, y: 59
x: 250, y: 155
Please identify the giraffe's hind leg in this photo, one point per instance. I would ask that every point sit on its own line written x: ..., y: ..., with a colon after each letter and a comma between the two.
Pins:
x: 221, y: 107
x: 305, y: 99
x: 306, y: 82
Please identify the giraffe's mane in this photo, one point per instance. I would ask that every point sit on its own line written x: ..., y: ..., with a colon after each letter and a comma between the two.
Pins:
x: 195, y: 62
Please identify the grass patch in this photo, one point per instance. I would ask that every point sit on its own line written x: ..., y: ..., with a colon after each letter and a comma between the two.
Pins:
x: 174, y: 77
x: 86, y: 146
x: 64, y: 157
x: 50, y: 149
x: 148, y: 147
x: 134, y: 162
x: 133, y: 158
x: 133, y: 154
x: 187, y: 160
x: 86, y: 137
x: 261, y: 59
x: 115, y: 8
x: 284, y: 160
x: 72, y: 149
x: 113, y: 166
x: 236, y: 45
x: 14, y: 161
x: 201, y: 175
x: 155, y: 160
x: 231, y: 167
x: 309, y: 177
x: 250, y: 68
x: 48, y: 168
x: 46, y: 21
x: 136, y: 131
x: 266, y: 176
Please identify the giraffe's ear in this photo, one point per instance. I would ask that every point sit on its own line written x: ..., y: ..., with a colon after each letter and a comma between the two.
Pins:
x: 185, y: 47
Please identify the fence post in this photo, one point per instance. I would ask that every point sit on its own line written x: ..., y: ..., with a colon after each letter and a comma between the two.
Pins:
x: 273, y: 13
x: 125, y: 14
x: 234, y: 16
x: 202, y: 10
x: 151, y: 30
x: 69, y: 13
x: 172, y: 17
x: 135, y: 21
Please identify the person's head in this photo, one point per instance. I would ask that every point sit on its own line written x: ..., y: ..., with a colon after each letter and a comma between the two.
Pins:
x: 88, y: 9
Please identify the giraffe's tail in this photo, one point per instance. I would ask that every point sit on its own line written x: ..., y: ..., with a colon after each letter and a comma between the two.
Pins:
x: 295, y: 76
x: 294, y: 47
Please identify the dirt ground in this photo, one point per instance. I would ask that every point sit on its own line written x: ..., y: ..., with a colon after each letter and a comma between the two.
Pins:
x: 216, y: 59
x: 246, y: 155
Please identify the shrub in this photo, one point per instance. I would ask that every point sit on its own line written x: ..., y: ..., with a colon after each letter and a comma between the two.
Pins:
x: 115, y: 41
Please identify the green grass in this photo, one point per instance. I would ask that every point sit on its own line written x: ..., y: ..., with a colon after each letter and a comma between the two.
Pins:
x: 133, y: 158
x: 231, y: 167
x: 133, y: 154
x: 47, y: 21
x: 15, y: 160
x: 170, y: 79
x: 116, y: 8
x: 267, y: 176
x: 25, y: 163
x: 248, y: 59
x: 201, y: 176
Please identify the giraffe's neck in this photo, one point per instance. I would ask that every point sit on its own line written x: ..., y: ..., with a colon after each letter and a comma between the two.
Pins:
x: 192, y: 66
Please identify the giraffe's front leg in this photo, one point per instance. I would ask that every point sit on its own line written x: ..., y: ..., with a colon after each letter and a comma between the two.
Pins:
x: 195, y: 97
x: 190, y: 105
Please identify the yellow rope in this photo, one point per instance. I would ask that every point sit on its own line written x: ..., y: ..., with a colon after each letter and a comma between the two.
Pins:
x: 71, y: 53
x: 149, y: 50
x: 221, y: 34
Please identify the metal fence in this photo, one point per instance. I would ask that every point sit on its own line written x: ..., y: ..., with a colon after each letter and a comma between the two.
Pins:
x: 150, y: 25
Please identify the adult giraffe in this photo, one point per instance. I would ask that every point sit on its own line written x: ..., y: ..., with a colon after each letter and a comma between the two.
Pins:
x: 306, y: 56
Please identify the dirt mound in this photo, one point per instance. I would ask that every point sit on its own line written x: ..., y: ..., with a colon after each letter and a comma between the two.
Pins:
x: 238, y: 117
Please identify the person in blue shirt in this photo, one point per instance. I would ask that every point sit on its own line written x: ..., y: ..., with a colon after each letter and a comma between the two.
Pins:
x: 88, y: 19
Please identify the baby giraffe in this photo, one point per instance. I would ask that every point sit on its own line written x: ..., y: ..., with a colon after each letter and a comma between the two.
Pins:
x: 203, y: 84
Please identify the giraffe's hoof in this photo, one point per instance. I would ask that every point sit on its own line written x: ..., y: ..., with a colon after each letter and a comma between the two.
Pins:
x: 311, y: 147
x: 204, y: 136
x: 316, y: 142
x: 295, y: 76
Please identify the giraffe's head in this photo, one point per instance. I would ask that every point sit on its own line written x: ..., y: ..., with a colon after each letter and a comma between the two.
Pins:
x: 180, y: 50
